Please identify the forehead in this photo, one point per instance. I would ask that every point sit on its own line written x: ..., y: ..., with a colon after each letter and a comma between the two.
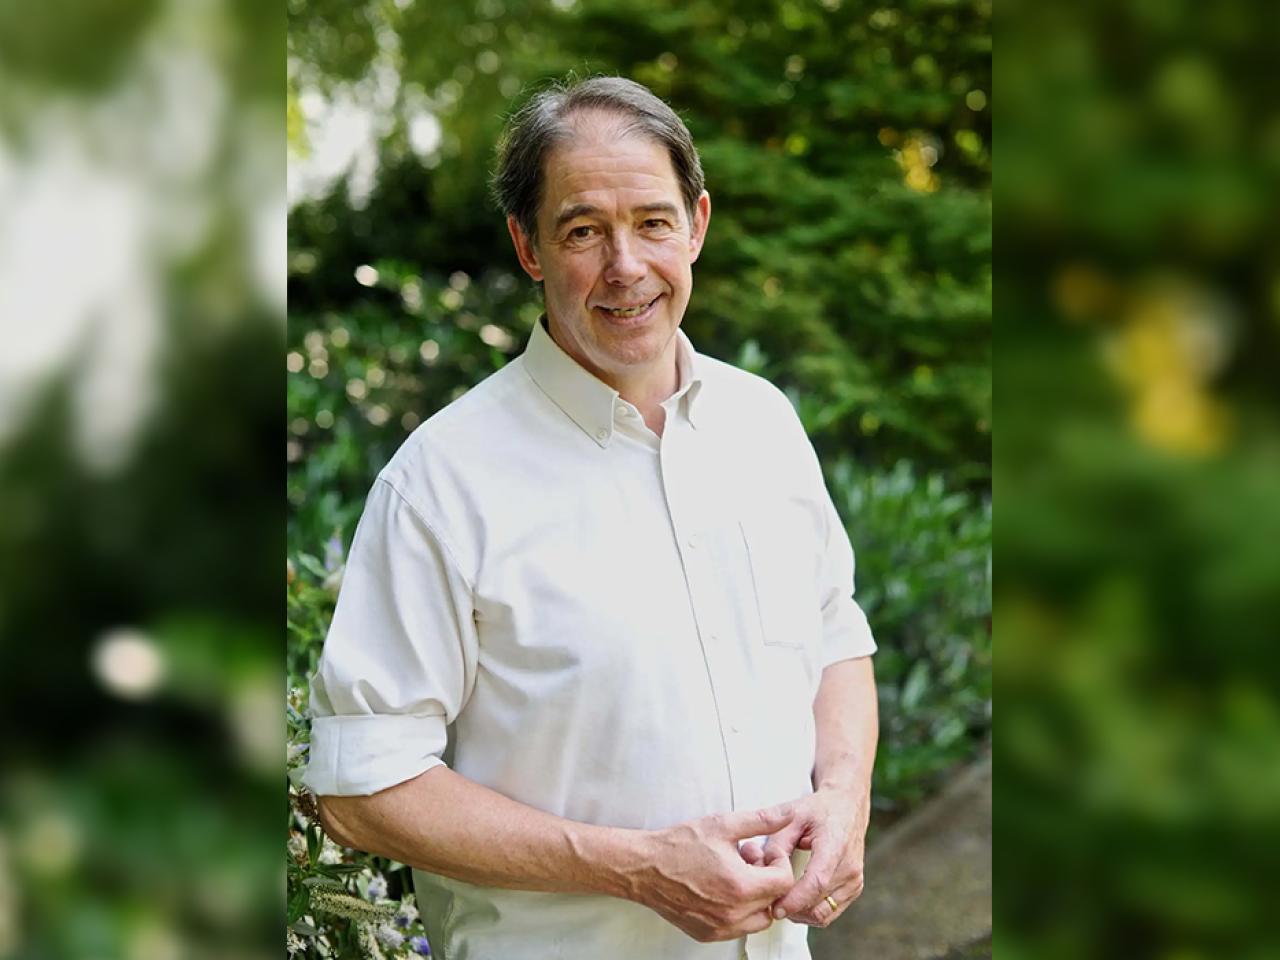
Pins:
x: 603, y: 166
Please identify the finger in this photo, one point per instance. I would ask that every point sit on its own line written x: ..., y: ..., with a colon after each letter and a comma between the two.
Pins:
x: 758, y: 921
x: 752, y: 851
x: 779, y: 846
x: 775, y: 854
x: 823, y: 913
x: 764, y: 883
x: 819, y: 876
x: 745, y: 824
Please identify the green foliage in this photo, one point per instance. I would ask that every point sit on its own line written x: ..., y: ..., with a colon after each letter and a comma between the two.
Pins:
x: 1139, y: 591
x: 340, y: 902
x: 924, y: 580
x: 847, y: 157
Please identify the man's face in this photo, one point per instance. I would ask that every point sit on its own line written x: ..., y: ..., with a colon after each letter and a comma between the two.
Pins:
x: 614, y: 250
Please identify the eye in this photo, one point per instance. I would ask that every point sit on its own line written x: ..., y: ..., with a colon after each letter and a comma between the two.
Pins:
x: 656, y: 223
x: 580, y: 233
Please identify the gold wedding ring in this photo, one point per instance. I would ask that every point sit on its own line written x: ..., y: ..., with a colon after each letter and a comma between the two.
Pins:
x: 834, y: 905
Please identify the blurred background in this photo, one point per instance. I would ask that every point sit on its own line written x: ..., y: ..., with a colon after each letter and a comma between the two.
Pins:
x: 1137, y: 470
x: 142, y: 287
x: 847, y: 153
x: 142, y: 283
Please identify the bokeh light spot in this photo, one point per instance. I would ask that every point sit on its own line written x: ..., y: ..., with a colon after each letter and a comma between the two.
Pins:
x: 128, y: 663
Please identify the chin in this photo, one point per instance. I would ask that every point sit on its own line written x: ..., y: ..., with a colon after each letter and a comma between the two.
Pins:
x: 637, y: 351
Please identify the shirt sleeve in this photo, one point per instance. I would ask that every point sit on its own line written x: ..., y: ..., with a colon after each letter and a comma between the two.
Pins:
x: 846, y: 633
x: 399, y: 660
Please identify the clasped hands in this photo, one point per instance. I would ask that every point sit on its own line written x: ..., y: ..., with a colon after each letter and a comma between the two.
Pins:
x: 715, y: 880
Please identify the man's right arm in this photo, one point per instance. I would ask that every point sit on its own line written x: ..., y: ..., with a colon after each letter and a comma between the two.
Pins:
x: 691, y: 874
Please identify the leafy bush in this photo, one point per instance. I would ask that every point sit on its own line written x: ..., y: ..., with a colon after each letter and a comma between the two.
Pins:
x: 341, y: 902
x: 924, y: 580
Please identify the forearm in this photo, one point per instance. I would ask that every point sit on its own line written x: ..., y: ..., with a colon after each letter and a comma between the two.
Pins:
x: 847, y: 723
x: 446, y: 824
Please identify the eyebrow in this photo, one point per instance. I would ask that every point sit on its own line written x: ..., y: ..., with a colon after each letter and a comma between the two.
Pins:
x: 588, y: 209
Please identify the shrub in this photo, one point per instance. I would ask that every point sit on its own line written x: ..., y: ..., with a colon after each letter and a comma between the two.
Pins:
x: 924, y: 579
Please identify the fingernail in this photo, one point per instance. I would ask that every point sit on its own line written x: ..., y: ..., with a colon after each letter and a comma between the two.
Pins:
x: 778, y: 913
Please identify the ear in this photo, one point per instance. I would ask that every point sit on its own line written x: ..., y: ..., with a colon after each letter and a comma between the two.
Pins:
x: 526, y: 250
x: 701, y: 218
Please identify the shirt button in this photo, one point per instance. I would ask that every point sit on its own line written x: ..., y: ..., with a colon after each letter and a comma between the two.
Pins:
x: 602, y: 434
x: 693, y: 542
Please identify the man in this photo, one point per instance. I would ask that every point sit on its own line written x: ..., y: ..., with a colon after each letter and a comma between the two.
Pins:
x: 613, y: 569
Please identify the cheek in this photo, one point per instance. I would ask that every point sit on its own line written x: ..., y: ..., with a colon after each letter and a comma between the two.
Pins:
x: 676, y: 271
x: 578, y: 277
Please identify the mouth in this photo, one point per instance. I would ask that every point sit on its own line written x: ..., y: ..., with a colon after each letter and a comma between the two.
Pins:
x: 636, y: 313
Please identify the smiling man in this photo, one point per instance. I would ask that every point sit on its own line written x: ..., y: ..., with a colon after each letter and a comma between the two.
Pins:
x: 611, y: 575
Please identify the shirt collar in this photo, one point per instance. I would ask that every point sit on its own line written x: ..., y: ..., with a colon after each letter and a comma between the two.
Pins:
x: 586, y: 399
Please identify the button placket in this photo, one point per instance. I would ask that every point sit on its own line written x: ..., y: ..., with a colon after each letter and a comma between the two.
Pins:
x: 694, y: 502
x: 682, y: 473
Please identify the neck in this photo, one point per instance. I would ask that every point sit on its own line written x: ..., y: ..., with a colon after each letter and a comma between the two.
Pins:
x: 646, y: 389
x: 644, y: 386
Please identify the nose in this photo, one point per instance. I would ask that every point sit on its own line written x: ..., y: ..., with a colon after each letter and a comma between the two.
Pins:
x: 623, y: 268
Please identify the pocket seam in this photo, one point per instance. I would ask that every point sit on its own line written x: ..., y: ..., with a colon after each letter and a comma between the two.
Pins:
x: 753, y: 566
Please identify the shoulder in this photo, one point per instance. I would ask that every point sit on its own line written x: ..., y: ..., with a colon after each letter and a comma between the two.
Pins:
x: 747, y: 398
x: 454, y: 442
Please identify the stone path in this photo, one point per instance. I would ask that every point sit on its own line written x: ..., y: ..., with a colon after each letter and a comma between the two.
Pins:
x: 928, y: 893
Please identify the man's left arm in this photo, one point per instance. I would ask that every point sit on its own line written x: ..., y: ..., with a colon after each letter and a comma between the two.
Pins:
x: 832, y: 822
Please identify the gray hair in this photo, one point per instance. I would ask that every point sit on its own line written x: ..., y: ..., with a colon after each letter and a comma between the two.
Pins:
x: 546, y: 120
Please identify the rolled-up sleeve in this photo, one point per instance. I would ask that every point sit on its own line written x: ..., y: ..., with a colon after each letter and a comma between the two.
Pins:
x: 846, y: 633
x: 399, y: 660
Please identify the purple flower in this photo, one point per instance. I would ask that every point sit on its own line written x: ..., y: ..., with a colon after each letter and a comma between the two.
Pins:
x: 419, y: 945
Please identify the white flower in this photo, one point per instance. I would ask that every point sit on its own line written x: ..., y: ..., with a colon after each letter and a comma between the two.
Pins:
x: 329, y: 853
x: 390, y: 937
x: 406, y: 913
x: 377, y: 887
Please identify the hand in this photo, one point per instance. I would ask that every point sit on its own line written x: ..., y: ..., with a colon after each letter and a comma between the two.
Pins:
x: 833, y: 825
x: 693, y: 876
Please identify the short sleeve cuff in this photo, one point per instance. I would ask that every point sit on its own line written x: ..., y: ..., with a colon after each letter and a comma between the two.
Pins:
x: 360, y: 755
x: 847, y: 635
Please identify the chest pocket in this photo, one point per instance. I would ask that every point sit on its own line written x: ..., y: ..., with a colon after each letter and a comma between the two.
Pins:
x: 784, y: 577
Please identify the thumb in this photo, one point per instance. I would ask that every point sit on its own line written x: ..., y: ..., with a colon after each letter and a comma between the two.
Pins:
x: 815, y: 882
x: 746, y: 824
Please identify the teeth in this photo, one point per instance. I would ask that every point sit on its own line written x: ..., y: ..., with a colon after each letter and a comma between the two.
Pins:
x: 628, y: 311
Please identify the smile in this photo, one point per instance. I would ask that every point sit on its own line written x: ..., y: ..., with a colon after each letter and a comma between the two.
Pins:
x: 627, y: 313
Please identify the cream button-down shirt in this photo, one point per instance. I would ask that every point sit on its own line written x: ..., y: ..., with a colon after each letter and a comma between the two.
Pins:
x: 610, y: 626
